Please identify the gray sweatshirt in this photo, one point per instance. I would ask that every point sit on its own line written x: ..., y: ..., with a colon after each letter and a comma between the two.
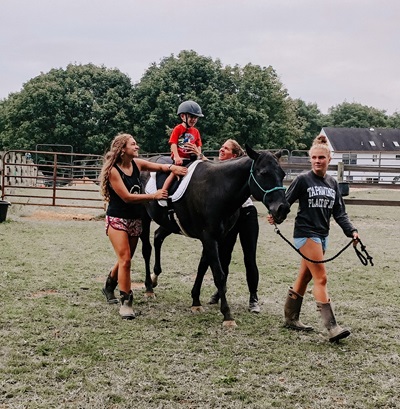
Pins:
x: 319, y: 199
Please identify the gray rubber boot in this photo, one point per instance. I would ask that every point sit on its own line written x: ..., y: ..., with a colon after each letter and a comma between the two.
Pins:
x: 126, y: 310
x: 335, y: 331
x: 109, y: 288
x: 292, y: 312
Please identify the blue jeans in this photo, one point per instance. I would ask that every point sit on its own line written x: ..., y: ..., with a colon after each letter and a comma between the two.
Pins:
x: 301, y: 241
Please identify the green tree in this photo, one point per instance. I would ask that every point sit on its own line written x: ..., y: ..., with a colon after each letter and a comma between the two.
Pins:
x: 83, y: 106
x: 394, y: 120
x: 163, y: 87
x: 267, y: 117
x: 312, y: 120
x: 248, y: 104
x: 355, y: 115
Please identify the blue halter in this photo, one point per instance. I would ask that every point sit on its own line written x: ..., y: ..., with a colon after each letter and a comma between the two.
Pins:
x: 262, y: 189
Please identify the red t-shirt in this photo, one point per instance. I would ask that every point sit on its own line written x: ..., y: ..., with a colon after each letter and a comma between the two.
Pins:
x: 181, y: 135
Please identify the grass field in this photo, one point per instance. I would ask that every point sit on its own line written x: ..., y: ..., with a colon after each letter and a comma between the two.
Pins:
x: 62, y: 346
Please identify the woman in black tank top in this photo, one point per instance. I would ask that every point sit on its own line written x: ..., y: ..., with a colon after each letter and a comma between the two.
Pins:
x: 121, y: 188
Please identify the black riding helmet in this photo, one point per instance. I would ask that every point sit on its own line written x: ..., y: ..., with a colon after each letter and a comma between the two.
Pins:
x: 190, y: 107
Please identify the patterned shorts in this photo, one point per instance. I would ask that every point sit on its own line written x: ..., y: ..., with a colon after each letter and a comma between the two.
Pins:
x: 132, y: 226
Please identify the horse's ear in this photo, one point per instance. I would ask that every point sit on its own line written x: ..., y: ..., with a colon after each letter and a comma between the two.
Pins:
x: 278, y: 154
x: 251, y: 153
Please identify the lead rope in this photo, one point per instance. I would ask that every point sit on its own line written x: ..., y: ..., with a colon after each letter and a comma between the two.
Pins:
x: 364, y: 259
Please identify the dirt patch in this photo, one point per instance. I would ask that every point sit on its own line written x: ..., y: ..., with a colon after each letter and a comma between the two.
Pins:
x: 43, y: 293
x: 50, y: 215
x: 85, y: 182
x: 137, y: 286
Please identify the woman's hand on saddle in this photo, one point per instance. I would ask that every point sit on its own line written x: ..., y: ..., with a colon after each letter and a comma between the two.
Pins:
x: 178, y: 170
x: 161, y: 194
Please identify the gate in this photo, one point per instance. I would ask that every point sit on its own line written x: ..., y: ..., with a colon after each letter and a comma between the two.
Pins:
x: 45, y: 178
x: 66, y: 179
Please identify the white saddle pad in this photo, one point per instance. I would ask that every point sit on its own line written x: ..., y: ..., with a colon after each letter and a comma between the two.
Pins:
x: 151, y: 186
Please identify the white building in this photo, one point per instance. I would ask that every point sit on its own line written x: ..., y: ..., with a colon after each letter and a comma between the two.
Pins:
x: 365, y: 147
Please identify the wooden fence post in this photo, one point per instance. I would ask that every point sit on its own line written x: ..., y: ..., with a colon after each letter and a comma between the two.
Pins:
x: 340, y: 171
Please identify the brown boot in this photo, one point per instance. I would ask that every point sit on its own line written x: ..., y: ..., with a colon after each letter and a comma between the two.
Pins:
x: 126, y: 310
x: 108, y: 290
x: 292, y: 312
x: 335, y: 331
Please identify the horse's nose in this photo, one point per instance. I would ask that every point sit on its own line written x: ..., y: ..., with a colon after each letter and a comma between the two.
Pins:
x: 281, y: 212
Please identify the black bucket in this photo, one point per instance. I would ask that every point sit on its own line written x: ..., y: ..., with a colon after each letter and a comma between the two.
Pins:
x: 3, y: 210
x: 344, y: 188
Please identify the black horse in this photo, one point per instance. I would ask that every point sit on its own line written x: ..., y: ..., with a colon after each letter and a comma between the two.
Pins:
x: 209, y: 208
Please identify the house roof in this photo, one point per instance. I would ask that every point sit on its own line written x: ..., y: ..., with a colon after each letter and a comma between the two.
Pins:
x: 363, y: 139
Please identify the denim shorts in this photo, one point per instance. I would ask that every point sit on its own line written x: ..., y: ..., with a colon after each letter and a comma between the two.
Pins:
x: 301, y: 241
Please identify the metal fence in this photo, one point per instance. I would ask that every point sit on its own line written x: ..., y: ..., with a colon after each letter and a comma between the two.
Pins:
x: 66, y: 179
x: 45, y: 178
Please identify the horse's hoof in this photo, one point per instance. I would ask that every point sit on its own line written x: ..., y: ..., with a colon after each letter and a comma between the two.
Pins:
x: 149, y: 294
x: 229, y: 324
x: 154, y: 280
x: 197, y: 309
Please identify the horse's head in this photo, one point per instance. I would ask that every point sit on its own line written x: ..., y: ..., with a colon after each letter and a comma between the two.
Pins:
x: 266, y: 183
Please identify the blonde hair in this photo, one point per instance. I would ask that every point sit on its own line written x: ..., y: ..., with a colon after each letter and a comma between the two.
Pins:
x: 113, y: 156
x: 321, y: 142
x: 236, y: 148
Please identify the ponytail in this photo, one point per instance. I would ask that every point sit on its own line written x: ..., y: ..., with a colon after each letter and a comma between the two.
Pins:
x: 321, y: 142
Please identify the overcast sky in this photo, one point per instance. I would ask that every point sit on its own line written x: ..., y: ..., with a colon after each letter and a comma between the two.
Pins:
x: 324, y: 51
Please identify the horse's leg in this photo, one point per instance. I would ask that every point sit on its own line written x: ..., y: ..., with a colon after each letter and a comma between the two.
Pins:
x: 146, y: 253
x: 159, y: 235
x: 201, y: 271
x: 210, y: 249
x: 225, y: 249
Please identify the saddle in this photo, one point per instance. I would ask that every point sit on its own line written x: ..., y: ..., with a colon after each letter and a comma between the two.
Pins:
x: 161, y: 176
x: 160, y: 179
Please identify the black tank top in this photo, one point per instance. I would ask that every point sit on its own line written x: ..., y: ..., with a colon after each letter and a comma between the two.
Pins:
x: 116, y: 206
